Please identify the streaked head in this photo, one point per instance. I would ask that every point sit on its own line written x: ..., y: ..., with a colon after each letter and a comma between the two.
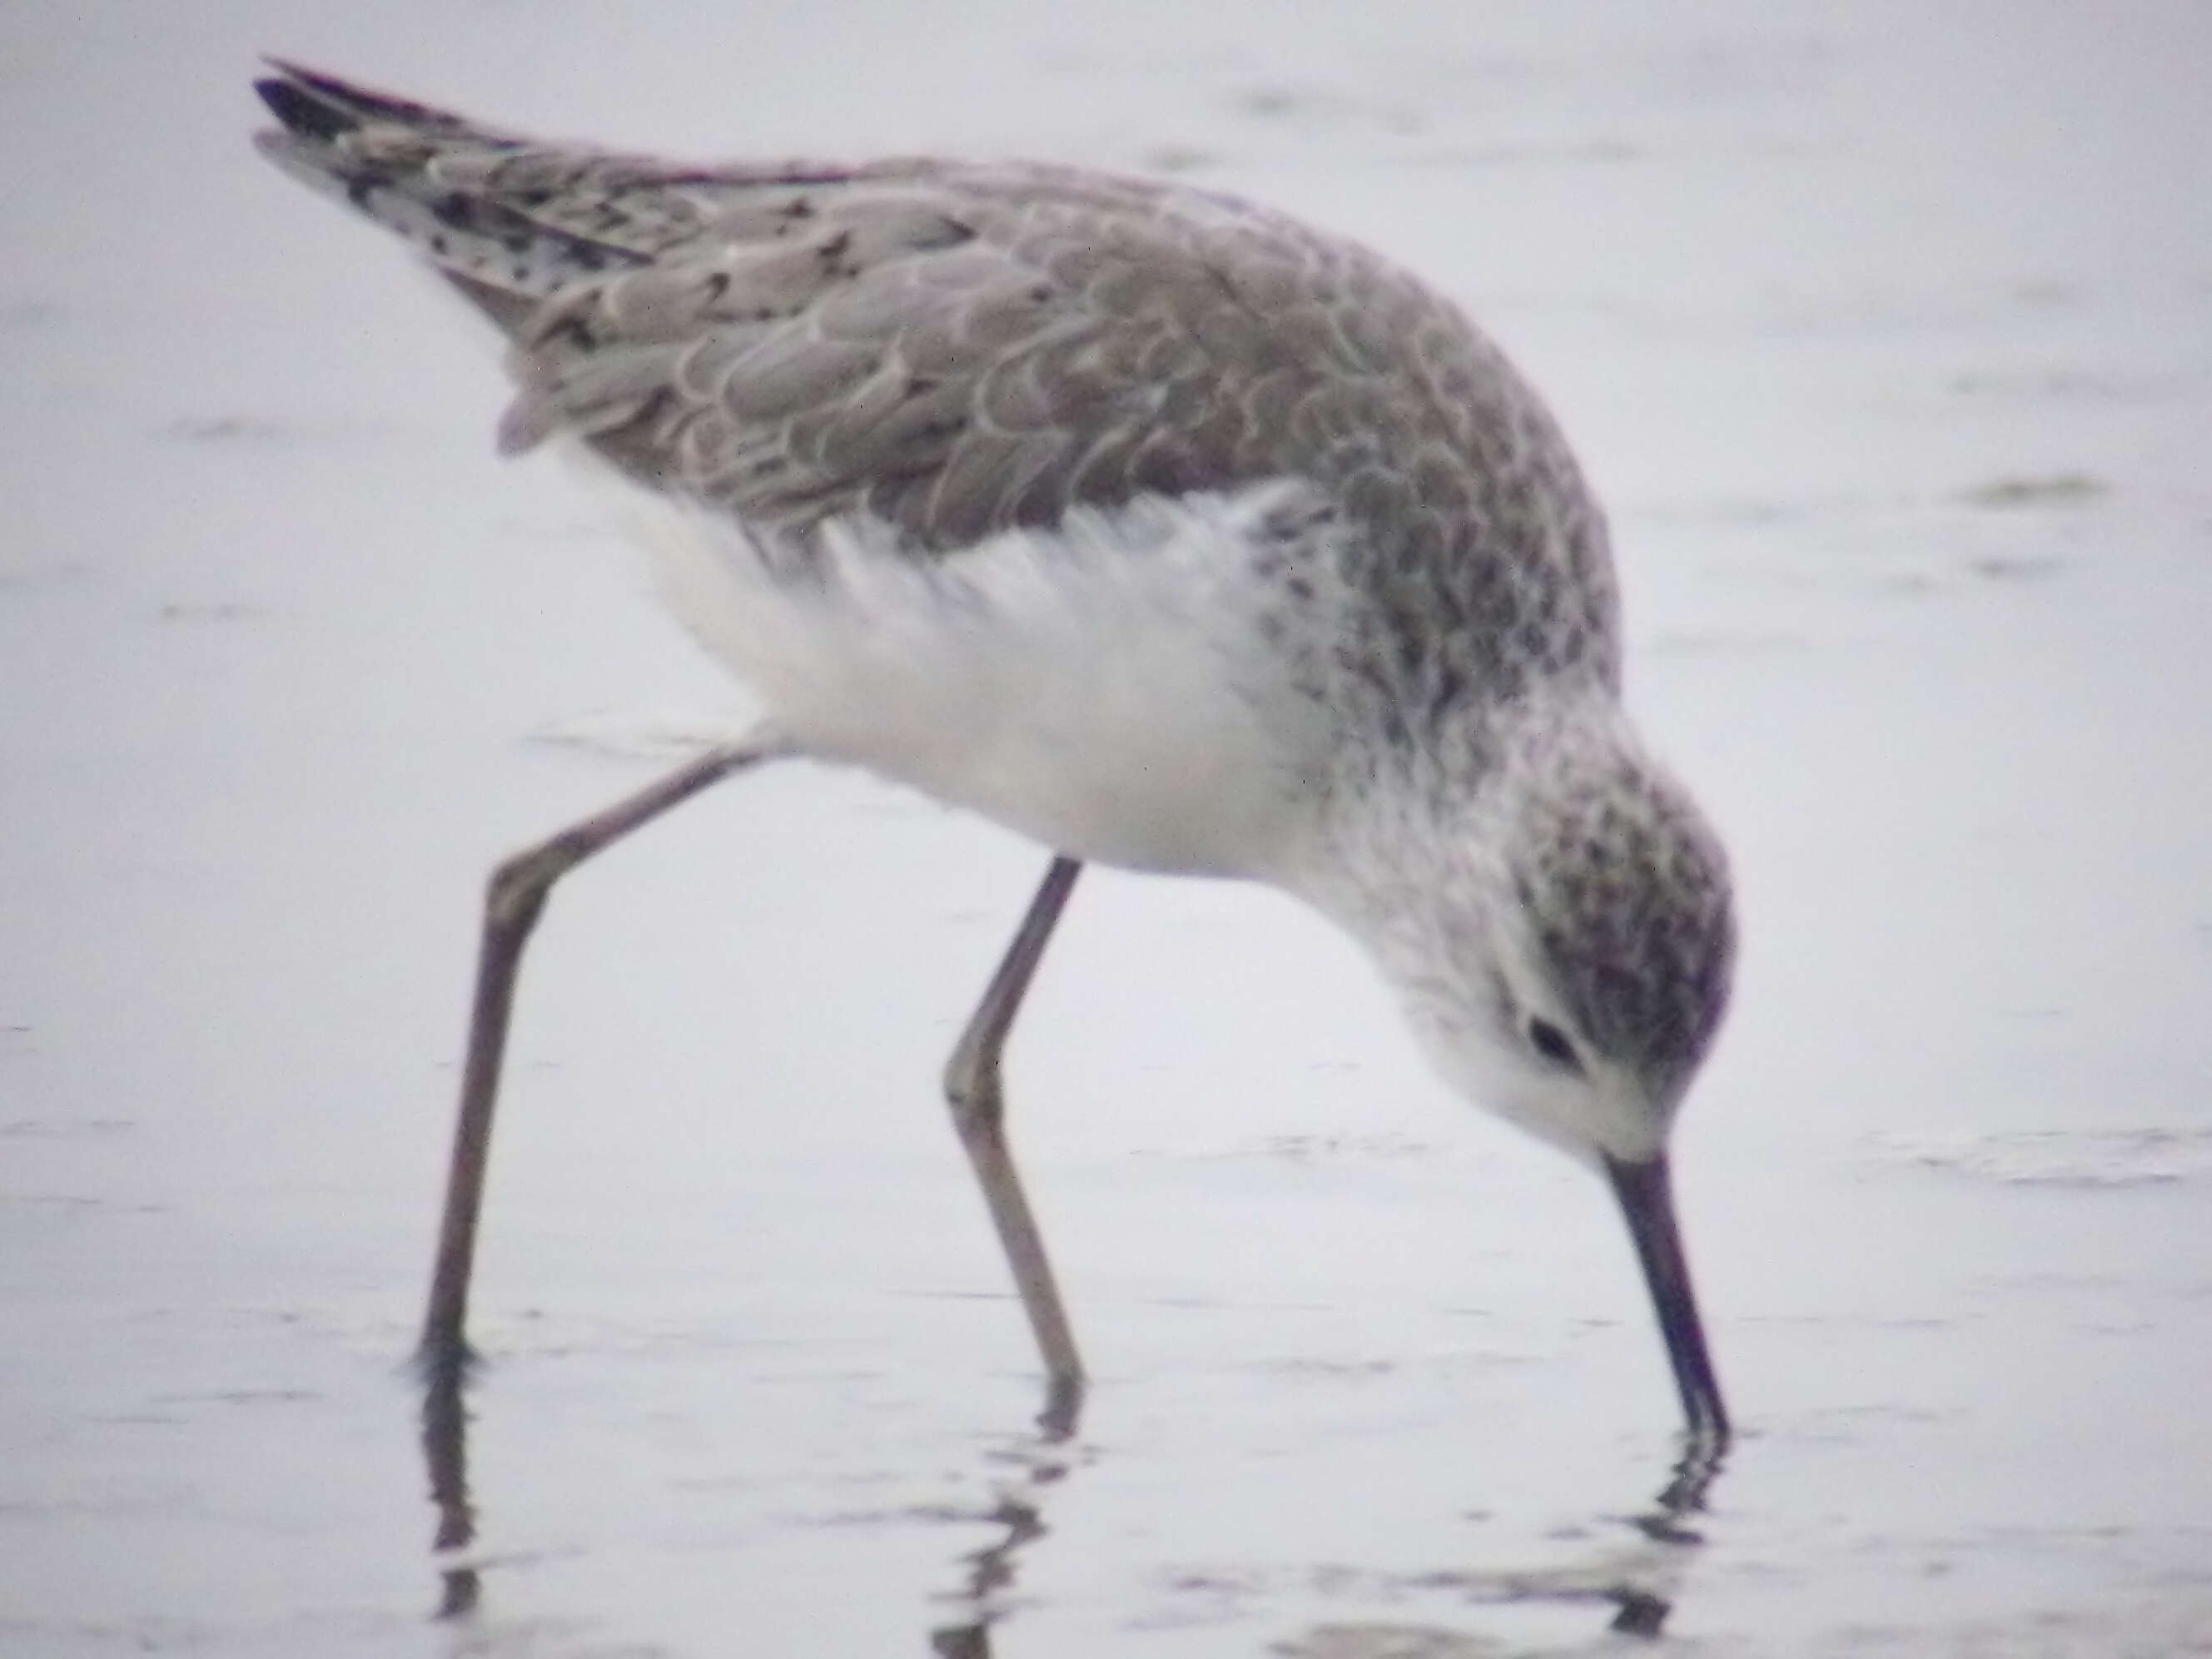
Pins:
x: 1561, y: 936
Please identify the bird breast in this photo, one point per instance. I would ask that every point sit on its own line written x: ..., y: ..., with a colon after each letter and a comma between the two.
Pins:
x: 1101, y: 687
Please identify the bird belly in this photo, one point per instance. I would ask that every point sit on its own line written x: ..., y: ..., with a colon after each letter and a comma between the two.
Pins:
x: 1098, y: 687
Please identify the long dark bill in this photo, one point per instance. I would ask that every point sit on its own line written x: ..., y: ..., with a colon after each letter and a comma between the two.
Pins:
x: 1647, y: 1199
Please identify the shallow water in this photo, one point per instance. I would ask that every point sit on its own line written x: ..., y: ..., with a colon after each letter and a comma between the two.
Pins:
x: 1888, y: 339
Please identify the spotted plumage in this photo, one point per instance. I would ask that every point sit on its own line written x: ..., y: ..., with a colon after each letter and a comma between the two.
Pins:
x: 1148, y: 522
x: 957, y: 349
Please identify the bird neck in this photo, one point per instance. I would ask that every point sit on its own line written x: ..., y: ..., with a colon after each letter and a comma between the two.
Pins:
x: 1435, y: 836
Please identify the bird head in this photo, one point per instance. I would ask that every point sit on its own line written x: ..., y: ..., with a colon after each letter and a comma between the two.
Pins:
x: 1556, y: 919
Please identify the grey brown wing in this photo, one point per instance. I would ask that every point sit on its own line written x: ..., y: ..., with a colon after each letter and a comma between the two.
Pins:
x: 957, y: 349
x: 954, y: 348
x: 950, y: 363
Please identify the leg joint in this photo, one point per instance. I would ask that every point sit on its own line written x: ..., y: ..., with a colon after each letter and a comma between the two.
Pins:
x: 971, y: 1089
x: 519, y: 884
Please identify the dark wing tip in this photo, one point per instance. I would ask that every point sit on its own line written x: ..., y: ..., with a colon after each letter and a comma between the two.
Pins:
x: 322, y: 106
x: 302, y: 112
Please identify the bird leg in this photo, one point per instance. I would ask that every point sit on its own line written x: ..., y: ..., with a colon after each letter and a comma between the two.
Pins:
x: 512, y: 901
x: 971, y: 1085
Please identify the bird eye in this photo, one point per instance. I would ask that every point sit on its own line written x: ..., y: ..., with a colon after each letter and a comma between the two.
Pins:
x: 1549, y: 1041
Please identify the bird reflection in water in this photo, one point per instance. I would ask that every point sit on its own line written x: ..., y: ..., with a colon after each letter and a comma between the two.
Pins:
x: 1045, y: 1458
x: 445, y: 1458
x: 1639, y: 1584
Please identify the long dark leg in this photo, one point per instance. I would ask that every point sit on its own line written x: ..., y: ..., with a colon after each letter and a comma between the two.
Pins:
x: 513, y: 903
x: 979, y: 1110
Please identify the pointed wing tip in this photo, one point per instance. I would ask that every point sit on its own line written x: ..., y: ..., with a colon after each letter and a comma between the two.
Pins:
x: 321, y: 104
x: 303, y: 113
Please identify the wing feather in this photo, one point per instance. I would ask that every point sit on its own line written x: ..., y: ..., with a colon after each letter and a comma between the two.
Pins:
x: 954, y: 349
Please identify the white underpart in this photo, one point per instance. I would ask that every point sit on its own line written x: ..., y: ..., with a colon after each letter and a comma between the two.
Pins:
x: 1099, y: 687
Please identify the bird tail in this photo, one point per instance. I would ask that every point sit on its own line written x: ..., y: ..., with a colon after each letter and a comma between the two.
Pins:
x: 509, y: 220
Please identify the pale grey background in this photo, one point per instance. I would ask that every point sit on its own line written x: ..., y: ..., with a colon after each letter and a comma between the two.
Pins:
x: 1885, y: 331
